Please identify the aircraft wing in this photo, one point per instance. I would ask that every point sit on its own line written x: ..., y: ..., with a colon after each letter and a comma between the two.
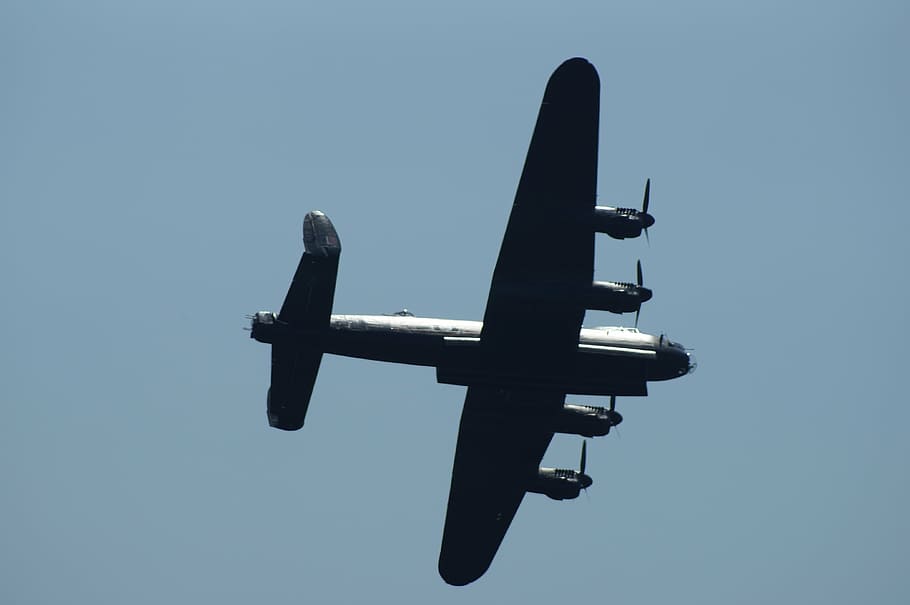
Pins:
x: 531, y: 324
x: 546, y: 261
x: 494, y: 460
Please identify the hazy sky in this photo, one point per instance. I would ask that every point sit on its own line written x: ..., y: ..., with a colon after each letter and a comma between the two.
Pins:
x: 156, y: 161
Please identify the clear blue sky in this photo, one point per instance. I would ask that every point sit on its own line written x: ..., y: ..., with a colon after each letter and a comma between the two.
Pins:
x: 156, y: 161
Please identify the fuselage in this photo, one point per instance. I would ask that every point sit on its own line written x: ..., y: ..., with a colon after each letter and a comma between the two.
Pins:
x: 608, y: 360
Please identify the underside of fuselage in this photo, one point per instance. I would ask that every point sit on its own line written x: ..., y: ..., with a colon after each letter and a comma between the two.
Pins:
x: 608, y: 361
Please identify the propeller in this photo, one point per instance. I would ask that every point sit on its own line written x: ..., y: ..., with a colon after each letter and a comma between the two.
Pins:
x: 647, y: 200
x: 640, y: 281
x: 583, y: 480
x: 615, y: 417
x: 644, y: 207
x: 584, y: 457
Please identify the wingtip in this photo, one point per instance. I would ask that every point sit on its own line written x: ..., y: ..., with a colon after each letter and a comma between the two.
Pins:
x: 576, y: 64
x: 577, y: 60
x: 574, y: 80
x: 459, y: 577
x: 461, y: 563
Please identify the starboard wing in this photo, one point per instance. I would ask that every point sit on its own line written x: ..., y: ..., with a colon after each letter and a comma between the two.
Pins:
x: 546, y: 261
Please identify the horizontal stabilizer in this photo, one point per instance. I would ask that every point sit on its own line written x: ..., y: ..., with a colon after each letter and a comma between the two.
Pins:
x: 294, y: 372
x: 306, y: 311
x: 308, y: 304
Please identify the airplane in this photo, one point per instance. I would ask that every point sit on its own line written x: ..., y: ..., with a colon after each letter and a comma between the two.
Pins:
x: 527, y: 354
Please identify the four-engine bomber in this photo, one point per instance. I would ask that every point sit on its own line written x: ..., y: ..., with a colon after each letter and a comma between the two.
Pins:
x: 529, y: 351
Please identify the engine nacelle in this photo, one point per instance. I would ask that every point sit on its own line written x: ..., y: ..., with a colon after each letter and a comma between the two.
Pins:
x: 559, y: 484
x: 586, y: 420
x: 616, y: 297
x: 618, y: 223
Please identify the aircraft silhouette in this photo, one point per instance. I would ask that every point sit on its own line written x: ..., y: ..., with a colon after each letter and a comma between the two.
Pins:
x: 529, y: 352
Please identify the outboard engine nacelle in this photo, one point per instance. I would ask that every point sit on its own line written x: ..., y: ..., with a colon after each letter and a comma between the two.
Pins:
x: 621, y: 223
x: 561, y: 483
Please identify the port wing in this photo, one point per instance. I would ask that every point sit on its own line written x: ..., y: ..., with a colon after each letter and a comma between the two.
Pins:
x: 494, y: 462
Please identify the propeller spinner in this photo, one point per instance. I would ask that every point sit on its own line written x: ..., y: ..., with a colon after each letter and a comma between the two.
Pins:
x: 615, y: 417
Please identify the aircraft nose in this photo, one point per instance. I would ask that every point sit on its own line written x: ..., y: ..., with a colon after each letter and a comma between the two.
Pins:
x: 645, y: 294
x: 646, y: 220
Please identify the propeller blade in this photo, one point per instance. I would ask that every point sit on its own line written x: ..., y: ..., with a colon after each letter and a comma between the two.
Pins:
x: 640, y: 282
x: 584, y: 457
x: 647, y: 200
x: 644, y: 207
x: 612, y: 407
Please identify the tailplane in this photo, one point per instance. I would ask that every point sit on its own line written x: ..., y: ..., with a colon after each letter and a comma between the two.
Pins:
x: 295, y: 332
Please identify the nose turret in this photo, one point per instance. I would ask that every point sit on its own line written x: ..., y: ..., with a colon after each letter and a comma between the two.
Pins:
x: 672, y: 361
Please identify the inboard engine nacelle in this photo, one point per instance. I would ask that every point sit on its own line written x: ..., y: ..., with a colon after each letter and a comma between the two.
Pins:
x: 585, y: 420
x: 616, y: 297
